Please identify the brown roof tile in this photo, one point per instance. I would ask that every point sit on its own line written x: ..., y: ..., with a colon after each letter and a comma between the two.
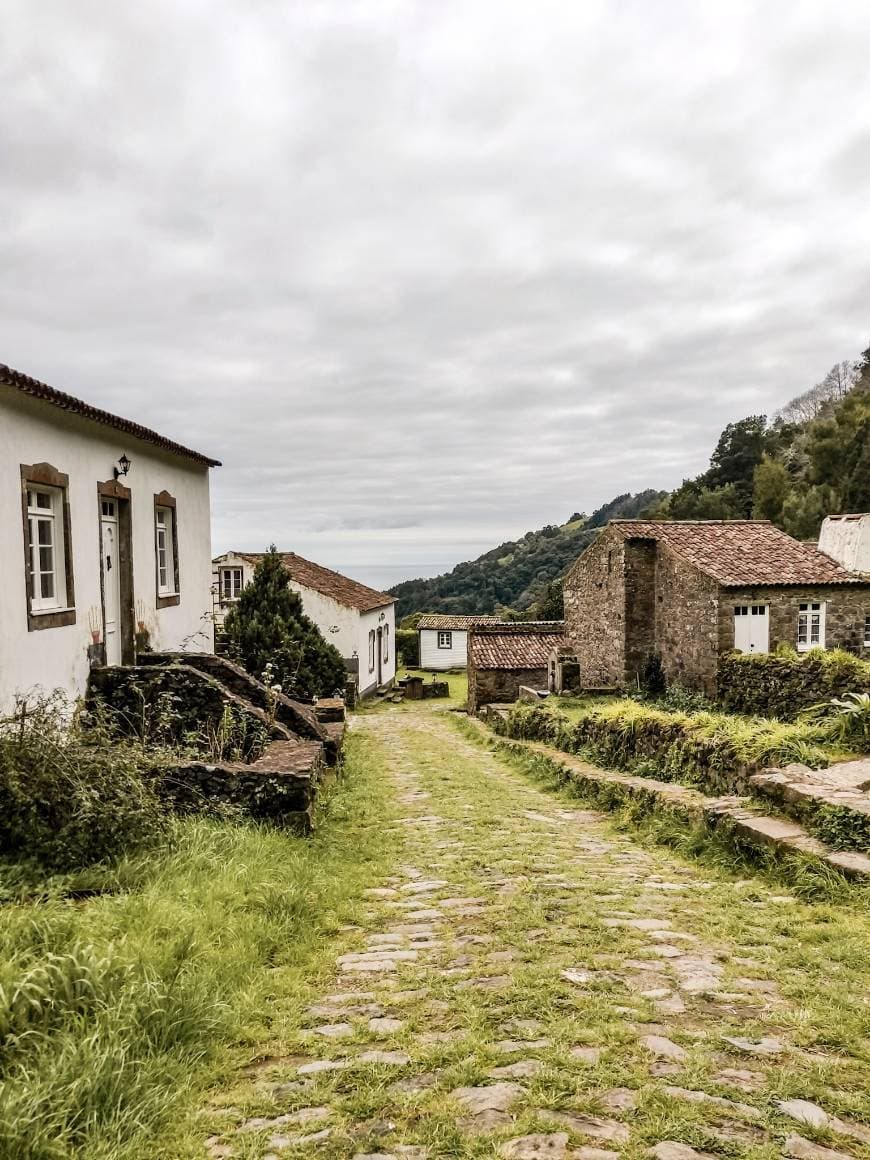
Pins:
x: 520, y: 645
x: 740, y: 553
x: 46, y: 394
x: 328, y: 583
x: 457, y: 623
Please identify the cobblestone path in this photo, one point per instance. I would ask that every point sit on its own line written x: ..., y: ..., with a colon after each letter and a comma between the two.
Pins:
x: 530, y: 982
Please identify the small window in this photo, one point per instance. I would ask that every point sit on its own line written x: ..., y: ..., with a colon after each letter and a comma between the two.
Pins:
x: 811, y: 626
x: 867, y: 631
x: 372, y: 651
x: 386, y: 643
x: 741, y: 609
x: 166, y: 549
x: 230, y: 584
x: 47, y: 547
x: 445, y: 640
x: 45, y: 528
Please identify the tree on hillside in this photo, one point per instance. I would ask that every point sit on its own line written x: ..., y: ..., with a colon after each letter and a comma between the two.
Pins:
x: 735, y: 458
x: 268, y: 627
x: 771, y: 485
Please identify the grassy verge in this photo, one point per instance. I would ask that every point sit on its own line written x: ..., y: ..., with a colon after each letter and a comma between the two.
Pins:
x: 116, y: 1012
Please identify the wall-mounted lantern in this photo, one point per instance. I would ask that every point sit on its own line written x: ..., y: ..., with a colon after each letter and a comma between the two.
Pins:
x: 122, y: 467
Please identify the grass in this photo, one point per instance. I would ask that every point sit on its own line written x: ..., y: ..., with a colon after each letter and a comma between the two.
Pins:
x: 116, y: 1011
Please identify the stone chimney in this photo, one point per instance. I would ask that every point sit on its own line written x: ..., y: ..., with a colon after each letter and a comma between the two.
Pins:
x: 846, y: 539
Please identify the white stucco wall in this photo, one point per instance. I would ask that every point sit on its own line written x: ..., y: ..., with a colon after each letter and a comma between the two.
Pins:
x: 847, y: 540
x: 32, y: 432
x: 433, y: 657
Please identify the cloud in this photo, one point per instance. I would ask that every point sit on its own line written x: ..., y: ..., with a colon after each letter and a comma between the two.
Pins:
x: 426, y: 276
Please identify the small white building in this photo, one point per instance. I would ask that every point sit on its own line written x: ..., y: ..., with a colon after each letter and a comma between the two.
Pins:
x: 443, y: 640
x: 359, y: 621
x: 106, y: 534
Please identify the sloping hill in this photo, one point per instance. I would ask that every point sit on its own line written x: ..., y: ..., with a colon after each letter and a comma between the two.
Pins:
x: 516, y: 574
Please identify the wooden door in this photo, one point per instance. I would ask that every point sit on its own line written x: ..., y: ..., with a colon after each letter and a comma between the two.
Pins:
x: 111, y: 569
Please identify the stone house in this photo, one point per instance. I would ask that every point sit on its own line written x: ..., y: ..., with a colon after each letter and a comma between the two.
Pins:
x: 695, y: 589
x: 502, y: 657
x: 106, y: 533
x: 359, y: 621
x: 443, y: 640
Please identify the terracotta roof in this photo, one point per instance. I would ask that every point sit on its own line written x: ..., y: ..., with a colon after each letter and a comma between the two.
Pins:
x: 328, y: 583
x: 741, y: 553
x: 520, y: 645
x: 46, y: 394
x: 458, y: 623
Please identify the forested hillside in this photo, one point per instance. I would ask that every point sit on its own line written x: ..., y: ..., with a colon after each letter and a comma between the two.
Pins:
x: 812, y: 459
x: 517, y: 575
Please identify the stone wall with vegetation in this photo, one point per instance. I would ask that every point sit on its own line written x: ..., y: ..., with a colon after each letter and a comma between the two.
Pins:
x: 594, y: 599
x: 686, y: 604
x: 500, y: 686
x: 710, y: 750
x: 784, y: 684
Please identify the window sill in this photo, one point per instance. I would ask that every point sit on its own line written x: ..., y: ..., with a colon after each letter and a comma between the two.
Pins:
x: 168, y: 599
x: 40, y: 618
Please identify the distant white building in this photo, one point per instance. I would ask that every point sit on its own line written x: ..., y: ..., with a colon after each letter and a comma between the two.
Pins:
x: 359, y: 621
x: 443, y: 640
x: 105, y: 528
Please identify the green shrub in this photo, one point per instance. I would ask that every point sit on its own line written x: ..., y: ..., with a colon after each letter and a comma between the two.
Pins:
x: 849, y: 718
x: 267, y: 626
x: 408, y: 647
x: 652, y: 676
x: 70, y: 799
x: 785, y: 683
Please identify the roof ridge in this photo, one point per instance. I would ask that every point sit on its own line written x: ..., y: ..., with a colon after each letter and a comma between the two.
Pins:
x: 45, y: 393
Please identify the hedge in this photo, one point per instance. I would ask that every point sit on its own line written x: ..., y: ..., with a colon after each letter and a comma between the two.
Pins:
x: 711, y: 750
x: 783, y: 684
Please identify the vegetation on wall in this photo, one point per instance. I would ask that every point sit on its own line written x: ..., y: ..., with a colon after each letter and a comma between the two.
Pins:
x: 786, y: 683
x: 715, y: 751
x: 267, y: 626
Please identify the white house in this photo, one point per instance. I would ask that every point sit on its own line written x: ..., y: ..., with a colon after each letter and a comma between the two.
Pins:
x: 444, y: 640
x: 359, y: 621
x: 105, y: 528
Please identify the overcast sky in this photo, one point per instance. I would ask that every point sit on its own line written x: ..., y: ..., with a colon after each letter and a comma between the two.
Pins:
x: 426, y: 275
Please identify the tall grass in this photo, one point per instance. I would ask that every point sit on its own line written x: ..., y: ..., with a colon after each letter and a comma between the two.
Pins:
x: 114, y: 1012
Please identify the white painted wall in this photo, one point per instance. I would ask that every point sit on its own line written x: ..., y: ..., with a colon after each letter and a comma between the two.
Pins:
x: 433, y: 657
x: 345, y: 628
x: 33, y: 432
x: 847, y: 540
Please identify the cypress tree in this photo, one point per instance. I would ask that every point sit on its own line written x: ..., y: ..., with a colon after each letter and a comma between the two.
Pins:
x: 268, y: 627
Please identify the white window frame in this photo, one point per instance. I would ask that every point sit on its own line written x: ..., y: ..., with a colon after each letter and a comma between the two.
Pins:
x: 811, y: 625
x: 372, y: 650
x: 51, y: 517
x: 445, y: 639
x: 867, y: 630
x: 386, y: 644
x: 164, y: 542
x: 230, y: 572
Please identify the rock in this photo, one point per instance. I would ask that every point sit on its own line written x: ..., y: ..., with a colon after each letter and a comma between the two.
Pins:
x: 414, y: 1084
x: 553, y: 1145
x: 672, y: 1150
x: 319, y: 1065
x: 334, y: 1030
x: 587, y: 1152
x: 747, y: 1081
x: 673, y: 1005
x: 804, y: 1111
x: 523, y: 1069
x: 393, y: 1058
x: 662, y: 1047
x: 495, y: 1097
x: 648, y: 923
x: 696, y: 1097
x: 803, y: 1149
x: 590, y: 1055
x: 385, y: 1025
x: 765, y: 1046
x: 380, y: 892
x: 619, y: 1099
x: 596, y: 1126
x: 511, y: 1046
x: 487, y: 1121
x: 575, y: 975
x: 424, y: 886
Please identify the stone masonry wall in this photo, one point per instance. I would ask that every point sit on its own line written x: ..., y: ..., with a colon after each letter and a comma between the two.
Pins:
x: 686, y: 630
x: 594, y: 595
x: 847, y: 606
x: 640, y: 605
x: 489, y: 686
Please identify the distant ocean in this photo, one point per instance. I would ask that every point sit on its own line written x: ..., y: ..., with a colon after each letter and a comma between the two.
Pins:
x: 383, y: 576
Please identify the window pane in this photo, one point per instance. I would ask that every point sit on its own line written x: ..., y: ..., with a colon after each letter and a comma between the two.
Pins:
x: 47, y: 585
x: 46, y: 559
x: 43, y: 500
x: 43, y: 532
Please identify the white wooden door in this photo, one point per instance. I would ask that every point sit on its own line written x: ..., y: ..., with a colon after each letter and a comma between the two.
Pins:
x: 752, y: 628
x: 111, y: 582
